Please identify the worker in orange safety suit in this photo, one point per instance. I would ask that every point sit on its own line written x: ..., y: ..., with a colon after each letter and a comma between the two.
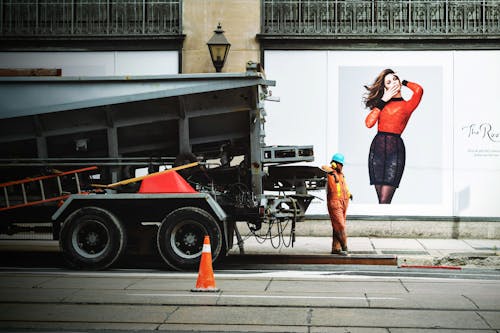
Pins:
x: 338, y: 196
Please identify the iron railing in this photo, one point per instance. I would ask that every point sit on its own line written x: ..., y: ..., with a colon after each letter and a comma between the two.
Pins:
x: 381, y: 18
x: 90, y: 17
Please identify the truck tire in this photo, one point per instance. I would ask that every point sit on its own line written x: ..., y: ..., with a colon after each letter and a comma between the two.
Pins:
x: 92, y: 238
x: 181, y: 234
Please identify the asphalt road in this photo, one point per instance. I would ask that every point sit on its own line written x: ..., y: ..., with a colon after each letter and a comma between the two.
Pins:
x: 269, y: 299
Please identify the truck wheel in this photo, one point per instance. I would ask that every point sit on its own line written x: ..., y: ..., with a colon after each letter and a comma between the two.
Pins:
x: 92, y: 238
x: 181, y: 234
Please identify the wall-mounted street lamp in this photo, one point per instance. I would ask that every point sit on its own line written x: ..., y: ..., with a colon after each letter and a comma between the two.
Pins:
x: 219, y: 48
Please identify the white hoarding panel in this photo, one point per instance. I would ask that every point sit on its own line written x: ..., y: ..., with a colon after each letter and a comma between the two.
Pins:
x: 113, y: 63
x: 300, y: 116
x: 146, y: 63
x: 477, y: 133
x: 452, y: 139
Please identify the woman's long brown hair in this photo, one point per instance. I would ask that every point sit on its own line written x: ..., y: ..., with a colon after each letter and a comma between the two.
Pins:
x: 376, y: 90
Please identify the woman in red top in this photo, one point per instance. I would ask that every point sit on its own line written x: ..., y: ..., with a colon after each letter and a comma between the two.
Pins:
x: 387, y: 156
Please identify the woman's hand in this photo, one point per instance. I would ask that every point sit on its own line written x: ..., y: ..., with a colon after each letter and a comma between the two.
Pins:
x: 391, y: 92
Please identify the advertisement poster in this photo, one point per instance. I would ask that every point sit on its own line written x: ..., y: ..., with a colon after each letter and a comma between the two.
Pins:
x: 421, y: 164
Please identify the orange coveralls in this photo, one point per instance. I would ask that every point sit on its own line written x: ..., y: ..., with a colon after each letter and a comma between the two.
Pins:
x: 337, y: 196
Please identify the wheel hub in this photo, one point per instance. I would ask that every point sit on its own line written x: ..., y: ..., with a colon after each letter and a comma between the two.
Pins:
x: 190, y: 239
x: 92, y: 239
x: 187, y: 239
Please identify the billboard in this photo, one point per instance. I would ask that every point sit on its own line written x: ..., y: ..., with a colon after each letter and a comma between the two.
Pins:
x: 450, y: 140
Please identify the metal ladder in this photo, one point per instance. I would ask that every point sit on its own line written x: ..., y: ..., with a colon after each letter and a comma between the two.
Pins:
x: 42, y: 197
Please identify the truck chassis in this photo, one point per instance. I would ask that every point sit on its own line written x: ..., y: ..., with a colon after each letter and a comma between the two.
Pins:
x: 218, y: 121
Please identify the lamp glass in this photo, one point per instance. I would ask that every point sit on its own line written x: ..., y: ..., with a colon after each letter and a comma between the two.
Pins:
x: 218, y: 52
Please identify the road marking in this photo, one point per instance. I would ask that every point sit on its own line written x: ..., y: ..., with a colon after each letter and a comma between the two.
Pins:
x: 262, y: 296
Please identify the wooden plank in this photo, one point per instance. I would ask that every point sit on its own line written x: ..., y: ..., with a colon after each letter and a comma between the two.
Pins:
x: 136, y: 179
x: 314, y: 259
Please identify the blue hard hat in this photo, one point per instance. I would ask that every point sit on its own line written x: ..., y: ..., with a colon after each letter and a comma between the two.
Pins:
x: 338, y: 157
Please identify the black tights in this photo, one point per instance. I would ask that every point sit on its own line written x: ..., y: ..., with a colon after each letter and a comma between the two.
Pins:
x: 385, y: 193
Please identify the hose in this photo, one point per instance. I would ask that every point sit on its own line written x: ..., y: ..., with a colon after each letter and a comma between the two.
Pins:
x: 281, y: 227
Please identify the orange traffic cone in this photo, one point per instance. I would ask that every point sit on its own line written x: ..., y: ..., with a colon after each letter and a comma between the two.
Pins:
x: 206, y: 280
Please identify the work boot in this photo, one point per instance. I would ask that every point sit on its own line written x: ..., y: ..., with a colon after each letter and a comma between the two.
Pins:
x: 335, y: 242
x: 342, y: 238
x: 340, y: 252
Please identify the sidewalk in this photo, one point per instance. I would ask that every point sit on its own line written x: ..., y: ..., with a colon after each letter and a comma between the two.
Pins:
x: 481, y: 253
x: 484, y: 253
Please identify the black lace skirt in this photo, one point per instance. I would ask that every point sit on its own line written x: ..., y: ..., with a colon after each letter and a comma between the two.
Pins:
x: 386, y: 161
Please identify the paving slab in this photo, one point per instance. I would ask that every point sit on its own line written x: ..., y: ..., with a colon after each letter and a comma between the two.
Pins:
x: 297, y: 299
x: 485, y: 302
x: 84, y: 313
x: 207, y: 328
x: 492, y: 318
x: 34, y: 294
x: 397, y: 244
x: 233, y: 285
x: 188, y: 283
x: 479, y: 288
x: 336, y: 286
x: 331, y: 329
x: 89, y: 282
x: 446, y: 244
x: 174, y: 284
x: 308, y: 245
x: 253, y: 245
x: 397, y: 318
x: 149, y: 297
x: 360, y: 244
x: 414, y: 301
x: 36, y: 326
x: 23, y: 281
x: 239, y: 316
x: 438, y: 330
x: 484, y: 244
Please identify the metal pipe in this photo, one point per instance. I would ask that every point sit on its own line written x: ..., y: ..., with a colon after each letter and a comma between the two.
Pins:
x: 42, y: 189
x: 23, y: 189
x: 6, y: 194
x: 77, y: 179
x: 59, y: 186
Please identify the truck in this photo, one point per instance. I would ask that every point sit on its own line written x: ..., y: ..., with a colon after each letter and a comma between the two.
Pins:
x: 147, y: 164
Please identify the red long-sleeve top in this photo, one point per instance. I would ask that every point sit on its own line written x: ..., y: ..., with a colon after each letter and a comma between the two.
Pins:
x: 393, y: 116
